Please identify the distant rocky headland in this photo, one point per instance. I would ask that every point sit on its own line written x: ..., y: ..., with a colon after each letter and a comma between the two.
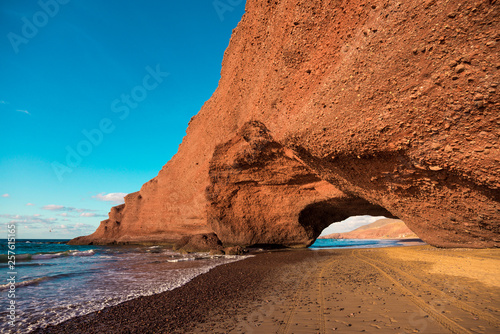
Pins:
x: 381, y: 229
x: 329, y: 109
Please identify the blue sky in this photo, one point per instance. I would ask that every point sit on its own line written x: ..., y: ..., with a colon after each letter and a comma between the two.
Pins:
x: 95, y: 98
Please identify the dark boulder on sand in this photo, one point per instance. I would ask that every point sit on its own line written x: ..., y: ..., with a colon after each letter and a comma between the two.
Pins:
x: 199, y: 243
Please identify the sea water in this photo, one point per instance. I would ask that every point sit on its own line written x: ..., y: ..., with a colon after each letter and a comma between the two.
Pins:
x: 363, y: 243
x: 55, y: 282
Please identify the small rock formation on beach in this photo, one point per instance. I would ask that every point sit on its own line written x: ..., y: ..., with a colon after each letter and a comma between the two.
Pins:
x: 333, y: 108
x: 381, y: 229
x: 199, y: 242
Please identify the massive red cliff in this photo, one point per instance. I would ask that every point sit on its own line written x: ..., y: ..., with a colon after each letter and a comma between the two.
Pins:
x: 327, y: 109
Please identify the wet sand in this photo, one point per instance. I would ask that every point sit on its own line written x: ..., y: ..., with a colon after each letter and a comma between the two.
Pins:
x: 386, y: 290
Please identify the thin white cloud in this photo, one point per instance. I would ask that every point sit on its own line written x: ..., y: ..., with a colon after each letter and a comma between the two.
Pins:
x: 78, y: 228
x: 117, y: 198
x: 53, y: 207
x: 28, y: 219
x: 36, y: 215
x: 90, y: 214
x: 30, y: 204
x: 5, y: 195
x: 24, y: 111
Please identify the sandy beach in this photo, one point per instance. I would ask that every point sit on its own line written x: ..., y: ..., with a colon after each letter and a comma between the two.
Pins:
x: 418, y: 289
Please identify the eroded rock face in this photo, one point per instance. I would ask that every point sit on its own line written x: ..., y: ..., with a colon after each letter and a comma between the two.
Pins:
x: 385, y: 105
x: 260, y: 193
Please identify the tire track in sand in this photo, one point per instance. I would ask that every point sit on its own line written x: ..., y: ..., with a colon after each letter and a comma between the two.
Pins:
x: 285, y: 327
x: 440, y: 318
x: 296, y: 300
x: 455, y: 302
x: 321, y: 296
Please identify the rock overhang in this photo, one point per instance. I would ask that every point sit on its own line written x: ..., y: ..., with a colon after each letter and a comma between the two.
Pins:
x: 365, y: 101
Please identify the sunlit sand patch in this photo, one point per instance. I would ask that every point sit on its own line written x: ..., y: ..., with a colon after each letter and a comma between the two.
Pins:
x: 479, y: 264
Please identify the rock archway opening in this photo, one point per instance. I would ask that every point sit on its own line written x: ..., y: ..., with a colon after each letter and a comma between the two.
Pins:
x: 316, y: 217
x: 350, y: 224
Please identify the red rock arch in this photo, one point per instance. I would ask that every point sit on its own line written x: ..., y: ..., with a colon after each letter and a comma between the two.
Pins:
x: 261, y: 193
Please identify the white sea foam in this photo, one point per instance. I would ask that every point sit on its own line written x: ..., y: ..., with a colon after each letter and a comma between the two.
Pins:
x: 81, y: 284
x: 47, y: 256
x: 184, y: 259
x: 82, y: 253
x: 24, y: 283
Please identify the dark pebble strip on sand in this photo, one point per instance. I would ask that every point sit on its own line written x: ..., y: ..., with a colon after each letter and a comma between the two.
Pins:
x: 223, y: 291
